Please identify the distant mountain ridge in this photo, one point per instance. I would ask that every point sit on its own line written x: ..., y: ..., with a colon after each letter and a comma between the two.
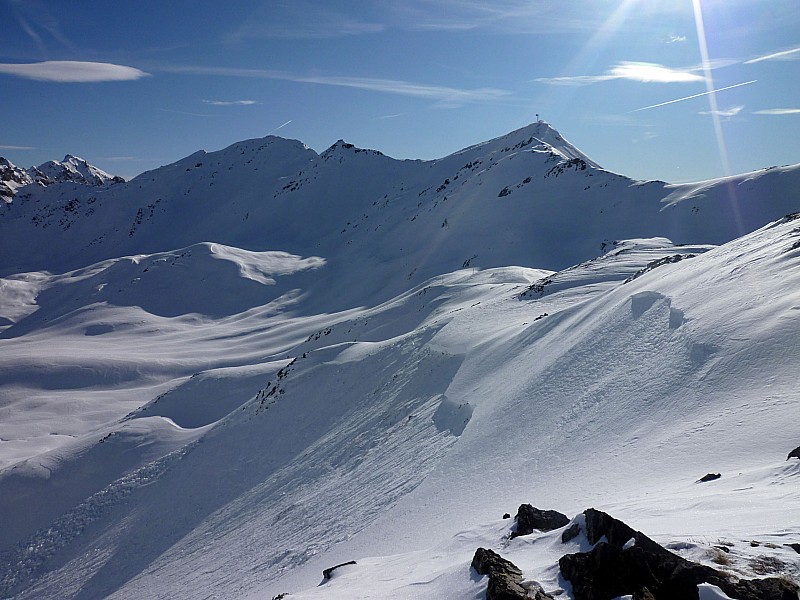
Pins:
x: 526, y: 198
x: 72, y: 169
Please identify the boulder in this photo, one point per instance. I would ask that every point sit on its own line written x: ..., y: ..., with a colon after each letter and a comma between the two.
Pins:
x: 709, y: 477
x: 628, y: 562
x: 505, y: 578
x: 530, y: 518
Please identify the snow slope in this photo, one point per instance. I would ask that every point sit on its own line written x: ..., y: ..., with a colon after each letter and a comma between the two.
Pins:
x: 387, y: 369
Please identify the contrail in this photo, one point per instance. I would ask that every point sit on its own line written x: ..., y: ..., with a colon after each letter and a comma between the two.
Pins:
x: 279, y: 127
x: 730, y: 87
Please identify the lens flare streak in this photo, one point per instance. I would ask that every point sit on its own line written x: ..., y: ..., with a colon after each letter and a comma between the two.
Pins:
x: 714, y: 108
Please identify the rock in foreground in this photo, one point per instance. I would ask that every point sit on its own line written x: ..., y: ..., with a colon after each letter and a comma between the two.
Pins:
x: 628, y: 562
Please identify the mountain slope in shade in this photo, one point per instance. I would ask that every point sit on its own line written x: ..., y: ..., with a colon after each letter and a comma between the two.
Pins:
x: 389, y: 365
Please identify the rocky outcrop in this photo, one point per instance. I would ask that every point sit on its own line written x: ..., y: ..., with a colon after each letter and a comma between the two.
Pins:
x: 624, y: 561
x: 530, y: 518
x: 794, y: 453
x: 11, y: 178
x: 328, y: 573
x: 709, y: 477
x: 570, y: 533
x: 505, y: 578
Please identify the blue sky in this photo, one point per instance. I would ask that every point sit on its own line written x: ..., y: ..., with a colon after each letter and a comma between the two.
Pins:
x: 131, y: 86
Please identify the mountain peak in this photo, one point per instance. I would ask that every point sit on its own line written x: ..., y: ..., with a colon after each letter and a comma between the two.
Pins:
x: 11, y: 178
x: 73, y: 169
x: 342, y: 148
x: 539, y: 135
x: 74, y: 160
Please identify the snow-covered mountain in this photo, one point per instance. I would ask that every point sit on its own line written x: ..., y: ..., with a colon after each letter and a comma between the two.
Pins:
x: 74, y: 169
x: 11, y: 178
x: 235, y: 371
x: 71, y: 169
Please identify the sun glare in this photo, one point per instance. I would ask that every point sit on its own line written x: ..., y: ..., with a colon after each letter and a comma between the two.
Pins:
x: 590, y: 51
x: 714, y: 107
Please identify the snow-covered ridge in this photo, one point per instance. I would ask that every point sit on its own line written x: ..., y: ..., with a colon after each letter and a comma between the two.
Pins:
x: 529, y: 188
x: 12, y: 178
x: 539, y: 135
x: 71, y: 170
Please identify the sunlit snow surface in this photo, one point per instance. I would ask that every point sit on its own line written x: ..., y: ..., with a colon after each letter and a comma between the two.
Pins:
x: 211, y: 421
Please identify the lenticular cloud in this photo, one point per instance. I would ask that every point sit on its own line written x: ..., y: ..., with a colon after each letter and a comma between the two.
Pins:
x: 70, y: 71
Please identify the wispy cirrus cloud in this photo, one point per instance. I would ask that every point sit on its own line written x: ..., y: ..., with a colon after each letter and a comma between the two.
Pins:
x: 653, y: 73
x: 408, y: 88
x: 71, y: 71
x: 642, y: 72
x: 302, y: 19
x: 778, y: 111
x: 452, y: 95
x: 793, y: 54
x: 676, y: 39
x: 33, y: 17
x: 516, y: 16
x: 187, y: 113
x: 230, y: 102
x: 320, y: 19
x: 727, y: 113
x: 7, y: 147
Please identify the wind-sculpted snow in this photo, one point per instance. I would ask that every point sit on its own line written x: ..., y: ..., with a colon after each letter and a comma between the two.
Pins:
x: 207, y: 279
x: 355, y: 369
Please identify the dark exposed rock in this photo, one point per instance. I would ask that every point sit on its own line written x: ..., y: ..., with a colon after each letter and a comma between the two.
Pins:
x: 505, y: 579
x: 795, y: 547
x: 529, y: 518
x: 794, y: 453
x: 506, y: 516
x: 667, y: 260
x: 709, y: 477
x: 628, y: 562
x: 535, y: 591
x: 570, y: 533
x: 328, y: 573
x: 489, y: 562
x: 771, y: 588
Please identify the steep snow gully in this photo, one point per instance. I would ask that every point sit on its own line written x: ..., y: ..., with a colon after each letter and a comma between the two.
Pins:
x: 234, y: 372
